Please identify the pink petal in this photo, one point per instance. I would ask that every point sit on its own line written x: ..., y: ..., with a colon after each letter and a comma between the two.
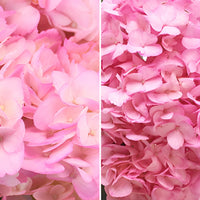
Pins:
x: 121, y: 188
x: 26, y: 24
x: 118, y: 97
x: 60, y: 153
x: 119, y: 50
x: 175, y: 139
x: 191, y: 43
x: 85, y: 190
x: 77, y: 162
x: 46, y: 111
x: 86, y: 85
x: 136, y: 137
x: 130, y: 112
x: 85, y: 175
x: 13, y: 87
x: 134, y: 87
x: 9, y: 181
x: 43, y: 193
x: 155, y: 166
x: 14, y: 142
x: 12, y: 162
x: 59, y: 79
x: 175, y: 95
x: 153, y: 50
x: 49, y: 4
x: 167, y: 116
x: 67, y: 116
x: 13, y: 112
x: 41, y: 167
x: 158, y: 97
x: 160, y: 193
x: 170, y: 30
x: 152, y: 84
x: 165, y: 182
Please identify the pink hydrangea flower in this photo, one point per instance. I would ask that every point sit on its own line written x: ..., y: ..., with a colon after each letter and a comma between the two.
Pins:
x: 65, y: 15
x: 49, y: 101
x: 150, y: 99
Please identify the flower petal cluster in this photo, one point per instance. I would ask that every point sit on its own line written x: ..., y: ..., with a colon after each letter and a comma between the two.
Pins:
x: 49, y: 101
x: 150, y: 99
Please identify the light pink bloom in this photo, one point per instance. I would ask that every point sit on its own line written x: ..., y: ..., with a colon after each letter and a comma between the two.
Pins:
x: 144, y: 44
x: 144, y: 81
x: 167, y: 92
x: 65, y: 16
x: 81, y: 89
x: 166, y: 17
x: 11, y: 149
x: 191, y: 38
x: 24, y: 25
x: 48, y: 49
x: 6, y: 29
x: 88, y: 129
x: 191, y: 59
x: 11, y: 105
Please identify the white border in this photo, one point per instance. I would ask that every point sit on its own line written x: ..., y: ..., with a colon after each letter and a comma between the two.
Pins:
x: 99, y: 99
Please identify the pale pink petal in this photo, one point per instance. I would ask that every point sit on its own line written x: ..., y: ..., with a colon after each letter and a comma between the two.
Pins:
x: 9, y: 180
x: 158, y: 97
x: 42, y: 167
x: 86, y: 85
x: 45, y: 113
x: 26, y: 24
x: 85, y: 190
x: 130, y: 112
x: 175, y: 95
x: 152, y: 84
x: 49, y: 4
x: 170, y: 30
x: 167, y: 116
x: 134, y: 87
x: 136, y: 137
x: 13, y: 87
x: 153, y: 50
x: 12, y: 161
x: 118, y: 97
x: 14, y: 142
x: 85, y: 176
x: 175, y: 139
x: 60, y: 153
x: 77, y: 162
x: 191, y: 43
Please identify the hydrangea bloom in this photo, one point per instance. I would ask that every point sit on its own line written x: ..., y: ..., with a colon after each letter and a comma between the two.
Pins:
x: 150, y: 99
x: 49, y: 100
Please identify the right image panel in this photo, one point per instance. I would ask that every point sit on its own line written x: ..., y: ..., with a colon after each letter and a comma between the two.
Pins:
x: 150, y: 100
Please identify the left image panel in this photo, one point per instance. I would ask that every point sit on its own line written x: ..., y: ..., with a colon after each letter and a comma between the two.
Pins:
x: 49, y: 99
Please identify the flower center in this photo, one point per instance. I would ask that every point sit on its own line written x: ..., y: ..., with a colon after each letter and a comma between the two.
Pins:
x: 35, y: 2
x: 92, y: 133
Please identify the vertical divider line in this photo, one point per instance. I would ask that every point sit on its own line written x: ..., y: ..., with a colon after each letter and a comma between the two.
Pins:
x: 99, y: 99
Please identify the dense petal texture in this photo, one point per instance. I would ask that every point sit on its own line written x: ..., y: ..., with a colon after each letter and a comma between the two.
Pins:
x: 150, y: 99
x: 49, y: 100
